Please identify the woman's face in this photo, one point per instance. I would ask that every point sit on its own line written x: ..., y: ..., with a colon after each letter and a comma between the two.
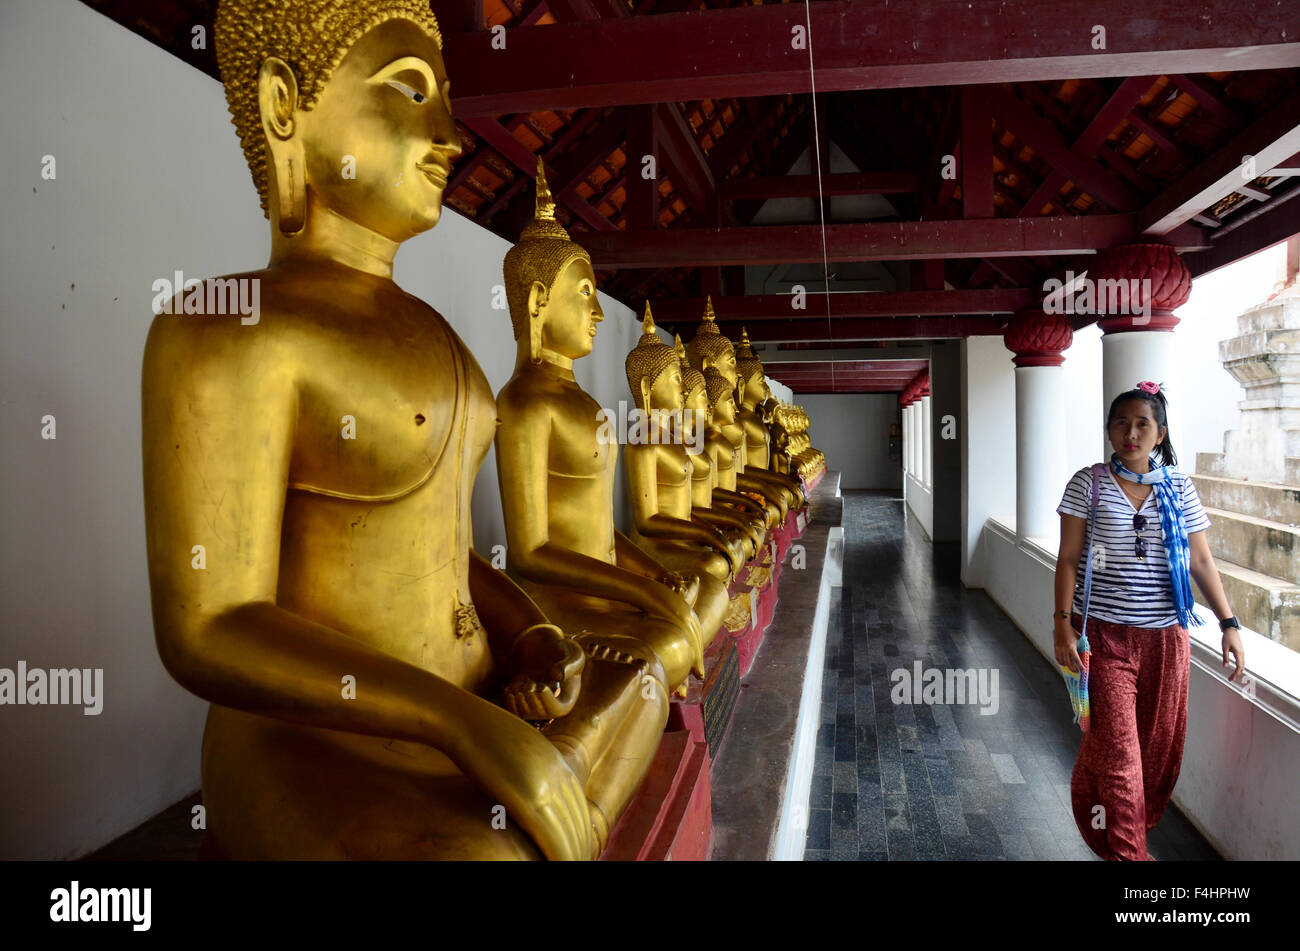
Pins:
x: 1134, y: 432
x: 380, y: 140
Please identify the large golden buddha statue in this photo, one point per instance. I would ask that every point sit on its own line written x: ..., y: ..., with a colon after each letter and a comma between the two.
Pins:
x: 709, y: 349
x: 307, y: 488
x: 659, y: 470
x: 555, y: 462
x: 752, y: 390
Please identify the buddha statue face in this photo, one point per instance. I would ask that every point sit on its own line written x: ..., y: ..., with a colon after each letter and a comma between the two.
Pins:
x: 568, y: 311
x: 721, y: 398
x: 343, y: 110
x: 698, y: 413
x: 385, y: 117
x: 666, y: 391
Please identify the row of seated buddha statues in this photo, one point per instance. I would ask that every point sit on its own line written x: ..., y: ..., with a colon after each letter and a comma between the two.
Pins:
x: 376, y: 688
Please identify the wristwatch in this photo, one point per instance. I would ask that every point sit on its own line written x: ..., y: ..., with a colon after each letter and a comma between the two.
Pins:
x: 1229, y: 622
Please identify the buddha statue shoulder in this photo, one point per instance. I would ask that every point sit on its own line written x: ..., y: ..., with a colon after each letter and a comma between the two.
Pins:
x: 375, y: 686
x: 556, y: 457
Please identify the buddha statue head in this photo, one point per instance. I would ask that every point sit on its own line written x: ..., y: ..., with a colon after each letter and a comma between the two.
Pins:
x: 710, y: 349
x: 751, y: 381
x: 343, y: 109
x: 550, y: 288
x: 654, y: 372
x: 722, y: 397
x: 695, y: 397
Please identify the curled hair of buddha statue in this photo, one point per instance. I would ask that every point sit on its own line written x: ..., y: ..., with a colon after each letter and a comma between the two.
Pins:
x: 708, y: 343
x: 311, y: 37
x: 541, y: 253
x: 717, y: 387
x: 647, y: 360
x: 747, y: 362
x: 692, y: 379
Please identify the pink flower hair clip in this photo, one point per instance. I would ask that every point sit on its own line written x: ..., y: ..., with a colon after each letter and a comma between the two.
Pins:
x: 1146, y: 386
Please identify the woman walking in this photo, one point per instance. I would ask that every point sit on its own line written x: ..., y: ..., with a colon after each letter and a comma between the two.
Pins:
x: 1148, y: 542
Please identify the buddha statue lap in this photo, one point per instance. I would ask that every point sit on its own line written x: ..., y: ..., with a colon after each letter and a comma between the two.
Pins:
x: 307, y: 486
x: 556, y: 461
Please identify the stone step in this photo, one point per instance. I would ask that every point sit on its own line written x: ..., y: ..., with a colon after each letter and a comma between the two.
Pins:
x: 1268, y: 606
x: 1260, y: 544
x: 1213, y: 463
x: 1278, y: 503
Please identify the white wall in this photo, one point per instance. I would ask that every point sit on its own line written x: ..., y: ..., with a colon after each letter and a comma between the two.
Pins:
x: 852, y: 429
x: 988, y: 433
x: 150, y: 179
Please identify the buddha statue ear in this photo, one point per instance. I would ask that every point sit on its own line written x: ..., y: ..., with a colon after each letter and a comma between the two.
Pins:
x: 277, y: 99
x: 537, y: 297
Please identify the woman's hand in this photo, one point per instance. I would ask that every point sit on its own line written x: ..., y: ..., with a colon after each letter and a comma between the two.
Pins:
x: 1067, y: 645
x: 1232, y: 645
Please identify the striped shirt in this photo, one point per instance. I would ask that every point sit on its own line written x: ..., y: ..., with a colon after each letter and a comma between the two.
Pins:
x: 1126, y: 589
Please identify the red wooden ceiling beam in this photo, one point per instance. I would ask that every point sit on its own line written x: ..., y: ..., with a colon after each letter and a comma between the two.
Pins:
x: 496, y: 135
x: 1043, y: 137
x: 1262, y: 231
x: 805, y: 186
x: 976, y: 152
x: 681, y: 157
x: 1269, y: 139
x: 1120, y: 104
x: 870, y: 241
x: 746, y: 51
x: 865, y: 328
x: 761, y: 307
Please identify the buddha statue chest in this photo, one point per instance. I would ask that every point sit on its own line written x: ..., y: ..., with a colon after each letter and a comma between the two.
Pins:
x: 673, y: 470
x: 701, y: 480
x: 756, y: 439
x: 393, y: 419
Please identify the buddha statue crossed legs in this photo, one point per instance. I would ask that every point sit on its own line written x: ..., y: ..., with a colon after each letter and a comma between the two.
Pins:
x: 371, y: 678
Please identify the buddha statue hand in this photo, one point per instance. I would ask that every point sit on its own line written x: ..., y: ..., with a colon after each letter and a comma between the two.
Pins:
x: 518, y: 767
x: 685, y: 585
x: 546, y: 673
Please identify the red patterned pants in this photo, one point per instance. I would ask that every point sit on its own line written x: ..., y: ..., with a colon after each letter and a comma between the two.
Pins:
x: 1129, y: 759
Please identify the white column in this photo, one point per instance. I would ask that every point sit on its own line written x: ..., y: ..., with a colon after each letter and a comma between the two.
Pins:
x: 1135, y: 355
x: 1040, y: 450
x: 907, y: 440
x: 927, y: 439
x: 911, y: 440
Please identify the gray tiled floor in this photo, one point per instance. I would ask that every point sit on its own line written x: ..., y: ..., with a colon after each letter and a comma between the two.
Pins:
x: 903, y: 781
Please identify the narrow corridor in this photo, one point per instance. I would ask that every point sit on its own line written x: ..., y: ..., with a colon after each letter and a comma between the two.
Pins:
x: 933, y: 781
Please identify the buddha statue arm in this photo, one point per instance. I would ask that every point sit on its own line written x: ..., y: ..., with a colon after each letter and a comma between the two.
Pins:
x: 720, y: 518
x: 521, y: 443
x: 735, y: 498
x: 218, y: 426
x: 542, y: 667
x: 650, y: 522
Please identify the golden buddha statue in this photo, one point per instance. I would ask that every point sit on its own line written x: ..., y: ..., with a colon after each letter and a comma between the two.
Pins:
x: 721, y: 396
x: 710, y: 349
x: 307, y: 486
x: 752, y: 388
x: 659, y: 475
x: 555, y: 462
x: 697, y: 415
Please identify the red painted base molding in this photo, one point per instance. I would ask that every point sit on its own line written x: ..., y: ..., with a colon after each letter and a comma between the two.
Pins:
x: 671, y: 816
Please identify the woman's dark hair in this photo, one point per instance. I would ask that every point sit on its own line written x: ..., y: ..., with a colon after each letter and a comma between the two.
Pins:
x: 1165, y: 451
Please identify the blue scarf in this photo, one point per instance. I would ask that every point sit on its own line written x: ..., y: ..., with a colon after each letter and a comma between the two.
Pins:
x: 1175, y: 529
